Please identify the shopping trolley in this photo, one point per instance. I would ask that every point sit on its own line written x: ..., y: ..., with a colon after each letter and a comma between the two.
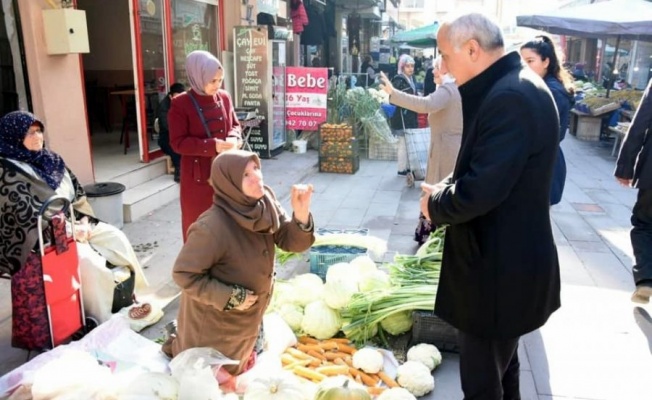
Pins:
x: 46, y: 293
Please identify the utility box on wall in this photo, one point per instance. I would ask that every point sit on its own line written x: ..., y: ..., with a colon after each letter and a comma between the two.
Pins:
x: 65, y: 31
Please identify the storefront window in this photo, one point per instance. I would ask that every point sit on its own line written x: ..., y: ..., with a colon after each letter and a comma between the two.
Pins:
x: 194, y: 27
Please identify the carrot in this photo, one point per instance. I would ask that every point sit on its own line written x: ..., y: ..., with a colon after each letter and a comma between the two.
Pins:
x: 307, y: 347
x: 333, y: 370
x: 328, y: 345
x: 347, y: 349
x: 387, y: 380
x: 375, y: 390
x: 333, y: 355
x: 307, y: 340
x: 352, y: 371
x: 367, y: 379
x: 316, y: 354
x: 339, y: 340
x: 309, y: 373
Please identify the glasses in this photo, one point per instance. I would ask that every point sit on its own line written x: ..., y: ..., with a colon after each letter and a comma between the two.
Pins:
x: 33, y: 132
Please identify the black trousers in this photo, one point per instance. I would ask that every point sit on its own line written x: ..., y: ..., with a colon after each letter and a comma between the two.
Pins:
x: 164, y: 144
x: 489, y: 369
x: 641, y: 235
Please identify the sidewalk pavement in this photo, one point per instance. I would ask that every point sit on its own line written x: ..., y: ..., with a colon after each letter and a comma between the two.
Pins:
x: 597, y: 346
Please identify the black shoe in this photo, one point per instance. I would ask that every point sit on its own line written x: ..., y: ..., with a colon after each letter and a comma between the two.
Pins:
x: 404, y: 172
x: 177, y: 179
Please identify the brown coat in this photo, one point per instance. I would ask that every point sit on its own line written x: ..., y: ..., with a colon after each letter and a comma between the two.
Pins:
x: 219, y: 253
x: 445, y: 119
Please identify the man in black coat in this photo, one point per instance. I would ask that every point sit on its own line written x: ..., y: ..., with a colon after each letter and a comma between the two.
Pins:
x: 500, y: 272
x: 634, y: 168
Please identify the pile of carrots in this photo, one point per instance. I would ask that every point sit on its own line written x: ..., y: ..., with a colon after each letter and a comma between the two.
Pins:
x: 316, y: 360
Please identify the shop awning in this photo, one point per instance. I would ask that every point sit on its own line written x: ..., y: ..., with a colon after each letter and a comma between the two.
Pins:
x: 629, y: 19
x: 423, y: 37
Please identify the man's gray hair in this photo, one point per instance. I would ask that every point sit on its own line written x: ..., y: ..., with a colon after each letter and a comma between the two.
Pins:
x: 474, y: 26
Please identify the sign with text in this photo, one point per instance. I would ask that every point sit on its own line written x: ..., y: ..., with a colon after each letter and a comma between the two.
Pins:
x: 252, y: 80
x: 306, y: 91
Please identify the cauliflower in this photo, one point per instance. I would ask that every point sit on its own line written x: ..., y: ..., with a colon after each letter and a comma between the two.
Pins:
x: 396, y: 393
x: 426, y: 354
x: 415, y: 377
x: 369, y: 360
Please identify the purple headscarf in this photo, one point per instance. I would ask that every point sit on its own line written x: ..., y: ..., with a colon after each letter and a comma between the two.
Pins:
x: 201, y: 67
x: 47, y: 164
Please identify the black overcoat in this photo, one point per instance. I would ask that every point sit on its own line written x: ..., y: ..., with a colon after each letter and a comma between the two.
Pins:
x: 634, y: 158
x: 500, y: 272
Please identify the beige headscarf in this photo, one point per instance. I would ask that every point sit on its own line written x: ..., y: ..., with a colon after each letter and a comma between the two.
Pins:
x: 226, y: 178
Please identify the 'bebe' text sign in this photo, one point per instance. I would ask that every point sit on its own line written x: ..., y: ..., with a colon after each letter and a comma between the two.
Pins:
x: 305, y: 97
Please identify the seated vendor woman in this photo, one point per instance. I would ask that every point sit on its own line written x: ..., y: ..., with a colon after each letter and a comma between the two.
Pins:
x: 226, y: 280
x: 29, y: 175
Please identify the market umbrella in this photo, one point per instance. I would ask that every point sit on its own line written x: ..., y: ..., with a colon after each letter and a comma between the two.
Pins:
x: 623, y: 19
x: 423, y: 37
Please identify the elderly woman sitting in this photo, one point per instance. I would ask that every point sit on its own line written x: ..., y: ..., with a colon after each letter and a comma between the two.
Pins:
x: 29, y: 175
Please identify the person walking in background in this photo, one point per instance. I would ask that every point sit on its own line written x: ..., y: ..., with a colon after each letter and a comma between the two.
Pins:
x: 203, y: 124
x: 226, y: 267
x: 403, y: 118
x: 368, y: 69
x: 634, y: 169
x: 543, y: 58
x: 164, y: 131
x: 444, y: 108
x: 500, y: 271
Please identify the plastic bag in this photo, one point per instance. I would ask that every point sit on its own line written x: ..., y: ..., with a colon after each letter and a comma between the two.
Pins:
x: 199, y: 372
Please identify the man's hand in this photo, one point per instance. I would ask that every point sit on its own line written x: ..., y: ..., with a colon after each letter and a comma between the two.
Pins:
x: 428, y: 190
x: 624, y: 182
x: 385, y: 83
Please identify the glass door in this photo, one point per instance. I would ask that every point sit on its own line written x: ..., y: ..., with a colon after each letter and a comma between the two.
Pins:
x: 193, y: 27
x: 150, y: 70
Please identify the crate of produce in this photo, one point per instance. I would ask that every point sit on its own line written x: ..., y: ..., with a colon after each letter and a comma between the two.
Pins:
x: 428, y: 328
x: 347, y: 148
x: 339, y: 165
x: 322, y: 257
x: 336, y: 132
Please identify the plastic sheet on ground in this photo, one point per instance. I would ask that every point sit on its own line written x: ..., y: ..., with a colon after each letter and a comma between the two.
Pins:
x: 113, y: 343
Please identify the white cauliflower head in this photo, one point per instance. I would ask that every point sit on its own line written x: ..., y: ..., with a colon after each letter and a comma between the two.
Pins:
x: 425, y: 353
x: 369, y: 360
x: 415, y: 377
x: 396, y: 393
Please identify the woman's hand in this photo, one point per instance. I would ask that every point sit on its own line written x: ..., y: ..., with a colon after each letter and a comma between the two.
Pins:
x: 225, y: 145
x: 300, y: 197
x: 385, y: 84
x: 249, y: 301
x: 82, y: 230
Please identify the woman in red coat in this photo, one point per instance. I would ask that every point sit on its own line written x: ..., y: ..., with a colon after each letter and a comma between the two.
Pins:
x: 202, y: 124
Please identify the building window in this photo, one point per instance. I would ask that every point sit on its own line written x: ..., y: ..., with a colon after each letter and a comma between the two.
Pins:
x: 194, y: 27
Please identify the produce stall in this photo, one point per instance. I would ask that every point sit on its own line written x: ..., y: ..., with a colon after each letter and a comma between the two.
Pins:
x: 326, y: 336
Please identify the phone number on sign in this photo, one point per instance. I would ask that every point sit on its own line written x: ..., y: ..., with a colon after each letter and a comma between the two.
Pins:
x: 293, y: 123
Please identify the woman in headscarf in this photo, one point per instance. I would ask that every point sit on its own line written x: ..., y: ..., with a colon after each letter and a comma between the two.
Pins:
x: 29, y: 175
x: 403, y: 118
x: 227, y: 280
x: 444, y: 108
x: 203, y: 124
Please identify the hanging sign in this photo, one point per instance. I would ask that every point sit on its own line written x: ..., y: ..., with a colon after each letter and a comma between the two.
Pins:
x: 306, y: 91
